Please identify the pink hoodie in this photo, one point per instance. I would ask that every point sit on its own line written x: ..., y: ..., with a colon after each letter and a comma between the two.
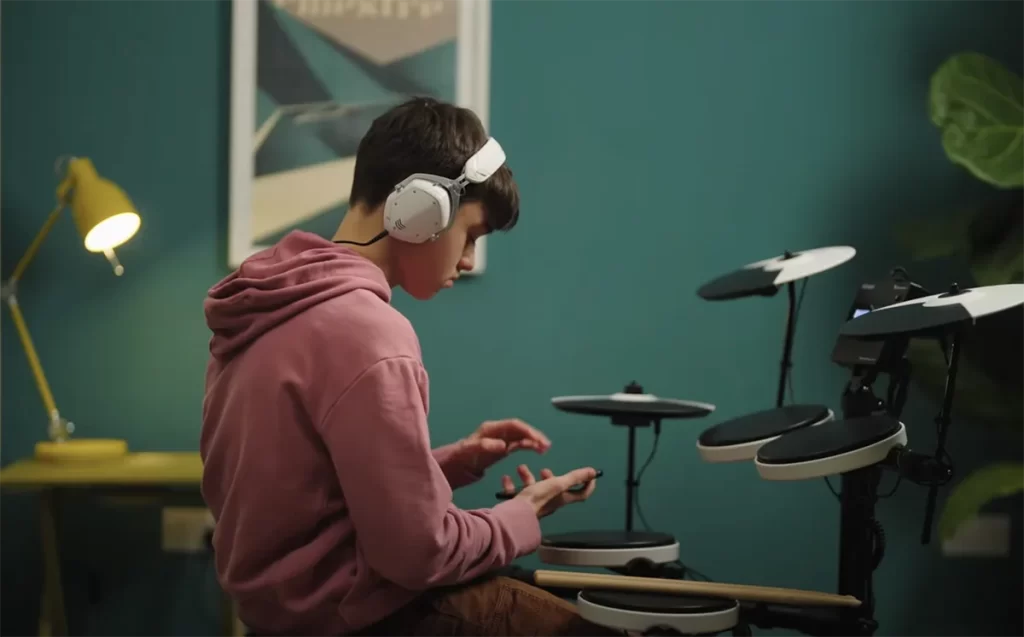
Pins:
x: 332, y: 510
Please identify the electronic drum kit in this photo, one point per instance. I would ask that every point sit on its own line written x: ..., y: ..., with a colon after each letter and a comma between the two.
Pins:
x: 648, y: 593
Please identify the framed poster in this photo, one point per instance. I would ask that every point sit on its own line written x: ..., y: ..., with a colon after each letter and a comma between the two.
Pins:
x: 307, y: 79
x: 1, y: 225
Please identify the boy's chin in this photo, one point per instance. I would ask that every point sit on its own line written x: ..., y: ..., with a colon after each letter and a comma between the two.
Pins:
x: 424, y: 294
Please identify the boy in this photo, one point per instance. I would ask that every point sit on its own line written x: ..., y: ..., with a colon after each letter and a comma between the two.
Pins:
x: 334, y: 515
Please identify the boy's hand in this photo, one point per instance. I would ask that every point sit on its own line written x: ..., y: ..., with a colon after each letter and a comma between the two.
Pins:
x: 495, y: 439
x: 552, y: 492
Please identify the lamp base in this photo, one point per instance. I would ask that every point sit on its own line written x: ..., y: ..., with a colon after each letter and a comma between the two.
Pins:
x: 81, y: 450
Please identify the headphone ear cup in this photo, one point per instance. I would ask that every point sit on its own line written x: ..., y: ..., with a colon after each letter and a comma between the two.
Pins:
x: 417, y: 211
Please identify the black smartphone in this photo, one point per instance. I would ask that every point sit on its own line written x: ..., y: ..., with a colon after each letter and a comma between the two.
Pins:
x: 501, y: 495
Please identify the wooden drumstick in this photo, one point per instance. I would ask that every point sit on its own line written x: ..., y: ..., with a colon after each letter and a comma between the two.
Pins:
x: 739, y: 592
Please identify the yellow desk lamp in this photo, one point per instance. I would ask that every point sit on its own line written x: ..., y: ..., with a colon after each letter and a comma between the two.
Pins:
x: 105, y: 218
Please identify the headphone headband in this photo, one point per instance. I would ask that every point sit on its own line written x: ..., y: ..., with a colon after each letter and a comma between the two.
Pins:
x: 484, y: 162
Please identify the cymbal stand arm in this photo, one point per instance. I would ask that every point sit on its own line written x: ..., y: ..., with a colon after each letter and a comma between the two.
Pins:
x: 630, y: 476
x: 787, y: 347
x: 943, y: 421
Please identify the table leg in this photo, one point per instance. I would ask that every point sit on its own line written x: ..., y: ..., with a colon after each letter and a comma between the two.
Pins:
x: 52, y: 621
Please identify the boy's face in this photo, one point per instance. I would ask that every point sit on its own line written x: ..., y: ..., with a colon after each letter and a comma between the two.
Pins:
x: 426, y: 268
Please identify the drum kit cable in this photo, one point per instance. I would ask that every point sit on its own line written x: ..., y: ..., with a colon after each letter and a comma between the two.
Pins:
x: 647, y: 591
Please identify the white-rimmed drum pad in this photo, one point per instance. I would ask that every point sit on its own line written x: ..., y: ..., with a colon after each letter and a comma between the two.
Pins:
x: 639, y: 612
x: 740, y: 438
x: 760, y: 276
x: 937, y: 310
x: 608, y: 549
x: 624, y: 404
x: 830, y: 449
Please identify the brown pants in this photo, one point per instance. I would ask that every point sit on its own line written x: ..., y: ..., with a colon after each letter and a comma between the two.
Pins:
x: 490, y: 607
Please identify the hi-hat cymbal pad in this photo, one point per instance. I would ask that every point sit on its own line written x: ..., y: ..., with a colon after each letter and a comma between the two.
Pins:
x: 763, y: 277
x: 628, y: 404
x: 937, y: 310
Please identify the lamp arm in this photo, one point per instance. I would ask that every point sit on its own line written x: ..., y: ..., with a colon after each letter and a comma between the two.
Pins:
x: 58, y: 429
x: 33, y: 248
x: 33, y: 358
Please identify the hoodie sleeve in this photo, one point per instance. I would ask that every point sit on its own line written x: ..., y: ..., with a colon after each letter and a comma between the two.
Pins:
x: 458, y: 476
x: 397, y: 495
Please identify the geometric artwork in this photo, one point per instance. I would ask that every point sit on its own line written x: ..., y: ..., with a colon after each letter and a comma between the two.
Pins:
x: 307, y: 79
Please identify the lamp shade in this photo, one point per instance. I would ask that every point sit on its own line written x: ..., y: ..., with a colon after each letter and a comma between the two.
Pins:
x: 103, y: 214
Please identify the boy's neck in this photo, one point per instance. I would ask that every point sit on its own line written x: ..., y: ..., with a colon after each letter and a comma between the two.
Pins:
x: 362, y: 225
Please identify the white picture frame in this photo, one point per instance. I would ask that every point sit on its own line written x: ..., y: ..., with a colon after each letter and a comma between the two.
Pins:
x: 1, y: 225
x: 259, y: 205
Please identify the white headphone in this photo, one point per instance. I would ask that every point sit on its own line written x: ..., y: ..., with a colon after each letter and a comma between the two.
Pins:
x: 423, y: 206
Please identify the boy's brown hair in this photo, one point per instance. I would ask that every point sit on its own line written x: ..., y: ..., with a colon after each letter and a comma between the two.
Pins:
x: 425, y: 135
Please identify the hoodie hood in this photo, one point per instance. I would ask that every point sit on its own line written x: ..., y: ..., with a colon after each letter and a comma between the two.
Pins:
x: 272, y: 286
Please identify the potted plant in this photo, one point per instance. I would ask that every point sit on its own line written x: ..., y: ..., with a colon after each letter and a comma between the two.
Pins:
x: 978, y: 107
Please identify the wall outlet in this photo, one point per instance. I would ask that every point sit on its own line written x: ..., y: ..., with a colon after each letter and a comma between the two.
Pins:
x: 987, y: 535
x: 184, y: 529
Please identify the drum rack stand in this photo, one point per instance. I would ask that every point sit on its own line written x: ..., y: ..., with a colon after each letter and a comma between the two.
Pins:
x: 861, y: 537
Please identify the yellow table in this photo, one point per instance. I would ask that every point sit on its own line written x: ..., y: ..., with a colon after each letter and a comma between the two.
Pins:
x: 134, y: 477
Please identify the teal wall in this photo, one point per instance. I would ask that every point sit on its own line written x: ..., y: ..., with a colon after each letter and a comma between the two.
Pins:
x: 657, y: 144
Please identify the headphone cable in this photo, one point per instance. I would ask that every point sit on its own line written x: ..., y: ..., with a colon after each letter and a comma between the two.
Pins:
x: 383, y: 233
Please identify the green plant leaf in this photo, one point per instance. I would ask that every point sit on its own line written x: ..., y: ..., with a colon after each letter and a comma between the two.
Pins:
x: 934, y: 237
x: 975, y: 491
x: 978, y: 104
x: 991, y: 232
x: 1004, y: 263
x: 979, y: 398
